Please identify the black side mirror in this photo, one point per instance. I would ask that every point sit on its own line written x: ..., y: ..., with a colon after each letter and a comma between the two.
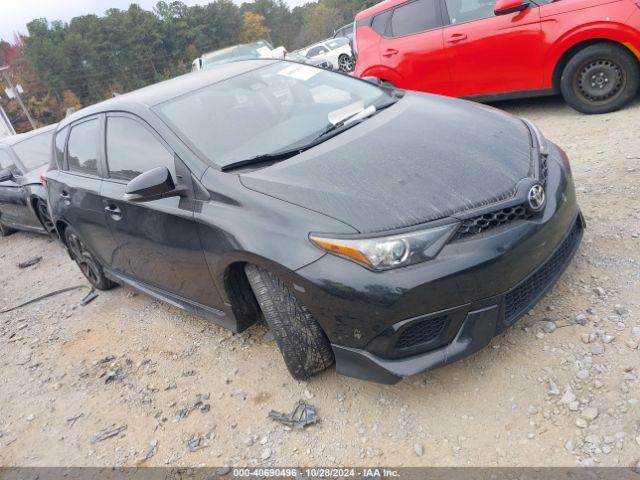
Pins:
x: 6, y: 174
x: 152, y: 185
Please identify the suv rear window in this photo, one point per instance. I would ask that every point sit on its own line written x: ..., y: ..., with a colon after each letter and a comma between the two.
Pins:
x: 415, y: 17
x: 82, y: 148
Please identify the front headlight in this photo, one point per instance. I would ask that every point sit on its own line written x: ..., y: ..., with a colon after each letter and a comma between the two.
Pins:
x: 543, y: 145
x: 385, y: 253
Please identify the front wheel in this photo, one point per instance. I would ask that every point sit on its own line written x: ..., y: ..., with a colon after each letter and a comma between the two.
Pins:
x: 304, y: 346
x: 88, y: 264
x: 601, y: 78
x: 346, y: 63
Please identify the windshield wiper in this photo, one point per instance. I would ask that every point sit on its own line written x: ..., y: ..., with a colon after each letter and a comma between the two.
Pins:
x: 331, y: 130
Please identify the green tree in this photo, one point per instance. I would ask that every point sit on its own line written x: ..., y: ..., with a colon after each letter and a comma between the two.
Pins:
x: 253, y: 27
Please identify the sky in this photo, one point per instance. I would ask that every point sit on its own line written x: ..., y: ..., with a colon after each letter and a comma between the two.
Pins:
x: 15, y: 14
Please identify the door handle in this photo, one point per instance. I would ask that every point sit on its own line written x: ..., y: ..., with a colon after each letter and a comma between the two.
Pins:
x: 457, y: 37
x: 390, y: 52
x: 113, y: 210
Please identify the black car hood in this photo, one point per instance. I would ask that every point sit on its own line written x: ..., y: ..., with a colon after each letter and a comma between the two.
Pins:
x: 425, y: 158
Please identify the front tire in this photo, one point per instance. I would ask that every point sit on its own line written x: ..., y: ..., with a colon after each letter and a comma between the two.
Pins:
x: 304, y: 346
x: 87, y: 262
x: 601, y: 78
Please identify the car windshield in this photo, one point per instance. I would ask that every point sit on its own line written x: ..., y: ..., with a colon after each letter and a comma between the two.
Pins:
x: 238, y: 52
x: 270, y: 109
x: 35, y: 151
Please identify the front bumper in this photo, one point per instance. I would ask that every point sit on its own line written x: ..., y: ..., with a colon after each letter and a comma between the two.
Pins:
x: 473, y: 290
x: 478, y: 327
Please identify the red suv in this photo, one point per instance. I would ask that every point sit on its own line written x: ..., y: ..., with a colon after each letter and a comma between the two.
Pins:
x: 588, y: 50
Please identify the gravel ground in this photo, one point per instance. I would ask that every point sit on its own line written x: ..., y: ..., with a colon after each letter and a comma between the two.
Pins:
x: 127, y: 380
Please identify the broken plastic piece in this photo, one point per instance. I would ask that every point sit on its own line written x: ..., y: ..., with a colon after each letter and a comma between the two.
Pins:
x: 90, y: 297
x: 302, y: 416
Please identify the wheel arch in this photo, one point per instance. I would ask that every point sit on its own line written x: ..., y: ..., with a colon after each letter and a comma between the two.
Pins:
x: 233, y: 284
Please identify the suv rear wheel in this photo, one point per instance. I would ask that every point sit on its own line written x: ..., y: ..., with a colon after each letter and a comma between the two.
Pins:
x: 345, y: 63
x: 601, y: 78
x: 303, y: 344
x: 88, y: 264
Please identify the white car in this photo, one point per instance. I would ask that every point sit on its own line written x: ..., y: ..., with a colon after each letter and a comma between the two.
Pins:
x: 336, y: 51
x: 247, y: 51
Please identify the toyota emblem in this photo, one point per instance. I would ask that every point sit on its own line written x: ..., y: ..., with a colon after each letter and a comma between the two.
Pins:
x: 537, y: 198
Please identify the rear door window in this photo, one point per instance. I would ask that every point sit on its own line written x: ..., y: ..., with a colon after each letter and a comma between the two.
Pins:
x: 82, y: 148
x: 36, y: 151
x: 132, y: 149
x: 380, y: 22
x: 415, y: 17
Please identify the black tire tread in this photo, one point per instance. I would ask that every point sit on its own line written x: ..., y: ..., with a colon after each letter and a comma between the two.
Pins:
x: 302, y: 342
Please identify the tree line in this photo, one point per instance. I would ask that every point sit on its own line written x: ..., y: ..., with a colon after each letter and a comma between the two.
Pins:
x: 68, y: 65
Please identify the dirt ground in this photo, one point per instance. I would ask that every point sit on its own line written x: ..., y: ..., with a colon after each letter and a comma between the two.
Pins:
x: 166, y: 388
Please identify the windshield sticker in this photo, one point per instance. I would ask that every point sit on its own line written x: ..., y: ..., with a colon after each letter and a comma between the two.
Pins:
x: 299, y: 72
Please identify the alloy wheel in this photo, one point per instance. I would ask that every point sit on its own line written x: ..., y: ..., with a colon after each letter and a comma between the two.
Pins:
x: 84, y: 259
x: 345, y: 63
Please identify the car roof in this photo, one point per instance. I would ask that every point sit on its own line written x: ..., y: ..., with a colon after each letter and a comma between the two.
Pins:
x: 15, y: 139
x: 215, y: 53
x: 379, y: 7
x: 169, y: 89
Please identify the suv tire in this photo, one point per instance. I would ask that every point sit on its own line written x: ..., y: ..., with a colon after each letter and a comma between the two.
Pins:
x: 304, y: 346
x: 601, y: 78
x: 87, y: 262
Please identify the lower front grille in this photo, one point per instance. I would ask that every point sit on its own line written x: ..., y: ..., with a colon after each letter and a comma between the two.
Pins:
x: 520, y: 299
x: 420, y: 334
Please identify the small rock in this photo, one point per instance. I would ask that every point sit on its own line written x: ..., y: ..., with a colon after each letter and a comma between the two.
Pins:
x: 590, y: 413
x: 608, y: 338
x: 580, y: 319
x: 581, y: 423
x: 621, y: 310
x: 418, y: 449
x: 597, y: 349
x: 573, y: 406
x: 308, y: 395
x: 568, y: 397
x: 549, y: 327
x: 599, y: 291
x: 570, y: 446
x: 582, y: 374
x: 553, y: 388
x: 593, y: 439
x: 266, y: 453
x: 30, y: 417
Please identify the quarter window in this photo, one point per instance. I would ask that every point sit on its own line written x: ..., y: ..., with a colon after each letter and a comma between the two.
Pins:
x: 61, y: 139
x: 36, y: 151
x: 461, y: 11
x: 414, y: 17
x: 6, y: 162
x: 132, y: 149
x: 82, y: 149
x: 380, y: 21
x: 315, y: 51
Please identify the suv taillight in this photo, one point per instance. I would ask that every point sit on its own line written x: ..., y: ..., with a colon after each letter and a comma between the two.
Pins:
x: 43, y: 179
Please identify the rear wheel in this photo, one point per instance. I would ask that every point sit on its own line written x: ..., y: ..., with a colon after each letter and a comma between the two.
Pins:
x: 88, y: 264
x: 345, y: 63
x: 601, y: 78
x: 303, y: 344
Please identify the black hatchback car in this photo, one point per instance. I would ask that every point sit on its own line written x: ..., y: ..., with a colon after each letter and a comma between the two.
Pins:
x: 389, y: 231
x: 23, y: 201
